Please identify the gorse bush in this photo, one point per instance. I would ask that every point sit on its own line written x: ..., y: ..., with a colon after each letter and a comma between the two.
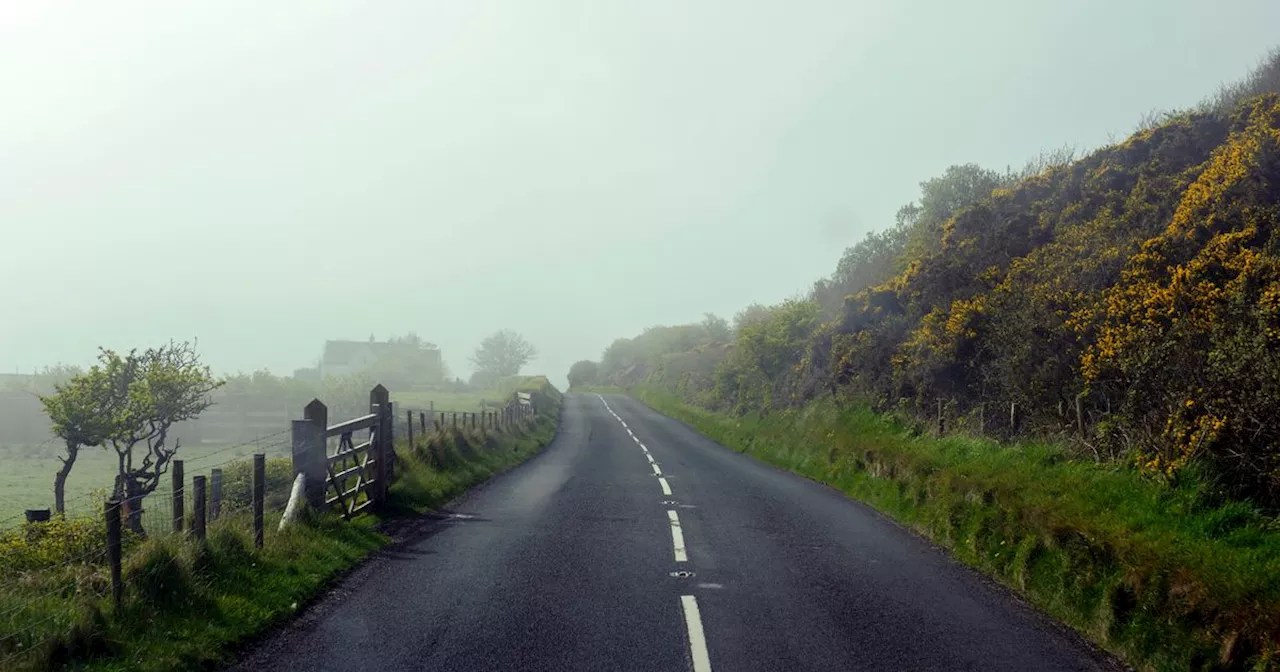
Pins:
x: 59, y: 542
x: 1141, y: 282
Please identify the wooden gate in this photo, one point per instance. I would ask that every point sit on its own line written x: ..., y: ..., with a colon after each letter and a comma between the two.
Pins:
x: 355, y: 476
x: 353, y: 460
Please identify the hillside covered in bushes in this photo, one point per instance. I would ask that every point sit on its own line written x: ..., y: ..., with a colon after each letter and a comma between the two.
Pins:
x: 1068, y: 376
x: 1139, y: 284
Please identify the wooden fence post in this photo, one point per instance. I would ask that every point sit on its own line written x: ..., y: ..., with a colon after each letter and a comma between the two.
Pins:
x: 390, y: 419
x: 310, y: 453
x: 1013, y: 417
x: 178, y: 514
x: 410, y: 417
x: 215, y: 498
x: 380, y: 403
x: 473, y: 420
x: 113, y: 549
x: 259, y: 494
x: 197, y: 500
x: 422, y: 422
x: 455, y: 420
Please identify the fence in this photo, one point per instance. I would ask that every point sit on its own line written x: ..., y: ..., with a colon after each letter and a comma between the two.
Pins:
x: 346, y: 466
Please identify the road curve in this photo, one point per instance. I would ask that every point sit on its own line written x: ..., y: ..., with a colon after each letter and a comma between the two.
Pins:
x: 580, y: 560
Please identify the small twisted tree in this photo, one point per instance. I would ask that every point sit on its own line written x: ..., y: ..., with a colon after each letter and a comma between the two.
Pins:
x: 130, y: 402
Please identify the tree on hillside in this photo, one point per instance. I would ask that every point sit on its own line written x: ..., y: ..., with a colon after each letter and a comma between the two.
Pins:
x: 82, y: 410
x: 718, y: 330
x: 750, y: 315
x: 503, y: 353
x: 585, y: 372
x: 872, y: 261
x: 941, y: 198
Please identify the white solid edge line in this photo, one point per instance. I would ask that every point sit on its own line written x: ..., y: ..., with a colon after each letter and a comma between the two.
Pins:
x: 697, y: 639
x: 666, y: 488
x: 656, y: 470
x: 677, y: 538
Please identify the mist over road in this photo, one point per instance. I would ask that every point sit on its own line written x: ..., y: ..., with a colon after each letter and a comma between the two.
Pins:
x: 634, y: 543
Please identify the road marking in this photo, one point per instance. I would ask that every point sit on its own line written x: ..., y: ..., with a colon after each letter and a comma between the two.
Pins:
x: 666, y: 487
x: 677, y: 537
x: 692, y: 617
x: 697, y: 640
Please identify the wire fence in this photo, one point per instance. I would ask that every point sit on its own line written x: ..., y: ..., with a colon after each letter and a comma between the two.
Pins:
x: 50, y: 572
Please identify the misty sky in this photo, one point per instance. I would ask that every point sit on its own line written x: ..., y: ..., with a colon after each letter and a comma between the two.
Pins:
x: 265, y: 175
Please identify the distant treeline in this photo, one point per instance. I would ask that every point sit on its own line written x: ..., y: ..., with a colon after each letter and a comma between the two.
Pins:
x: 1139, y: 284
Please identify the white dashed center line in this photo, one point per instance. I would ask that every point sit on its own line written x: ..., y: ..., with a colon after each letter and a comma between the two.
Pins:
x: 697, y: 640
x: 689, y: 603
x: 677, y: 537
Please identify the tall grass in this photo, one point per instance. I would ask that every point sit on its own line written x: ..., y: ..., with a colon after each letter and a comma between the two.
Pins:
x: 1167, y: 578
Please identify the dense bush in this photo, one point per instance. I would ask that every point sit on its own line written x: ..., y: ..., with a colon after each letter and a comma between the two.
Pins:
x: 1140, y: 284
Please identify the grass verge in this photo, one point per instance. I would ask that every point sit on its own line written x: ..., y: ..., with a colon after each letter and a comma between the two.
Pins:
x: 1163, y: 577
x: 188, y: 604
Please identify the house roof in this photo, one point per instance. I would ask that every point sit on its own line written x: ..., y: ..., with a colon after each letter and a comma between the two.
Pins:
x: 343, y: 352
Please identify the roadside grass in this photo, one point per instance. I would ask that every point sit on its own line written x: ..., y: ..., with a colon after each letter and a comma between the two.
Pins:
x: 1166, y: 578
x: 187, y: 605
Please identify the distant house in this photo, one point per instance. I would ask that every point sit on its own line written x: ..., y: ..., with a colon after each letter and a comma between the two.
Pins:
x: 412, y: 360
x: 343, y: 358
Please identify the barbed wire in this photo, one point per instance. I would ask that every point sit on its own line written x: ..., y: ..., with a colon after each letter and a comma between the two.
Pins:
x: 244, y: 444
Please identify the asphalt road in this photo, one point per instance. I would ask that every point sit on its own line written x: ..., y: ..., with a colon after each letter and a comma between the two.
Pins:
x: 577, y: 560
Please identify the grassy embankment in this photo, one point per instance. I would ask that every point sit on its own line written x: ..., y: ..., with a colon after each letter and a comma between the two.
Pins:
x: 187, y: 605
x: 1157, y: 575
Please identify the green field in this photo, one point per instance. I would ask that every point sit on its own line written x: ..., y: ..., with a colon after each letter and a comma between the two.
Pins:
x: 26, y: 473
x: 444, y: 401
